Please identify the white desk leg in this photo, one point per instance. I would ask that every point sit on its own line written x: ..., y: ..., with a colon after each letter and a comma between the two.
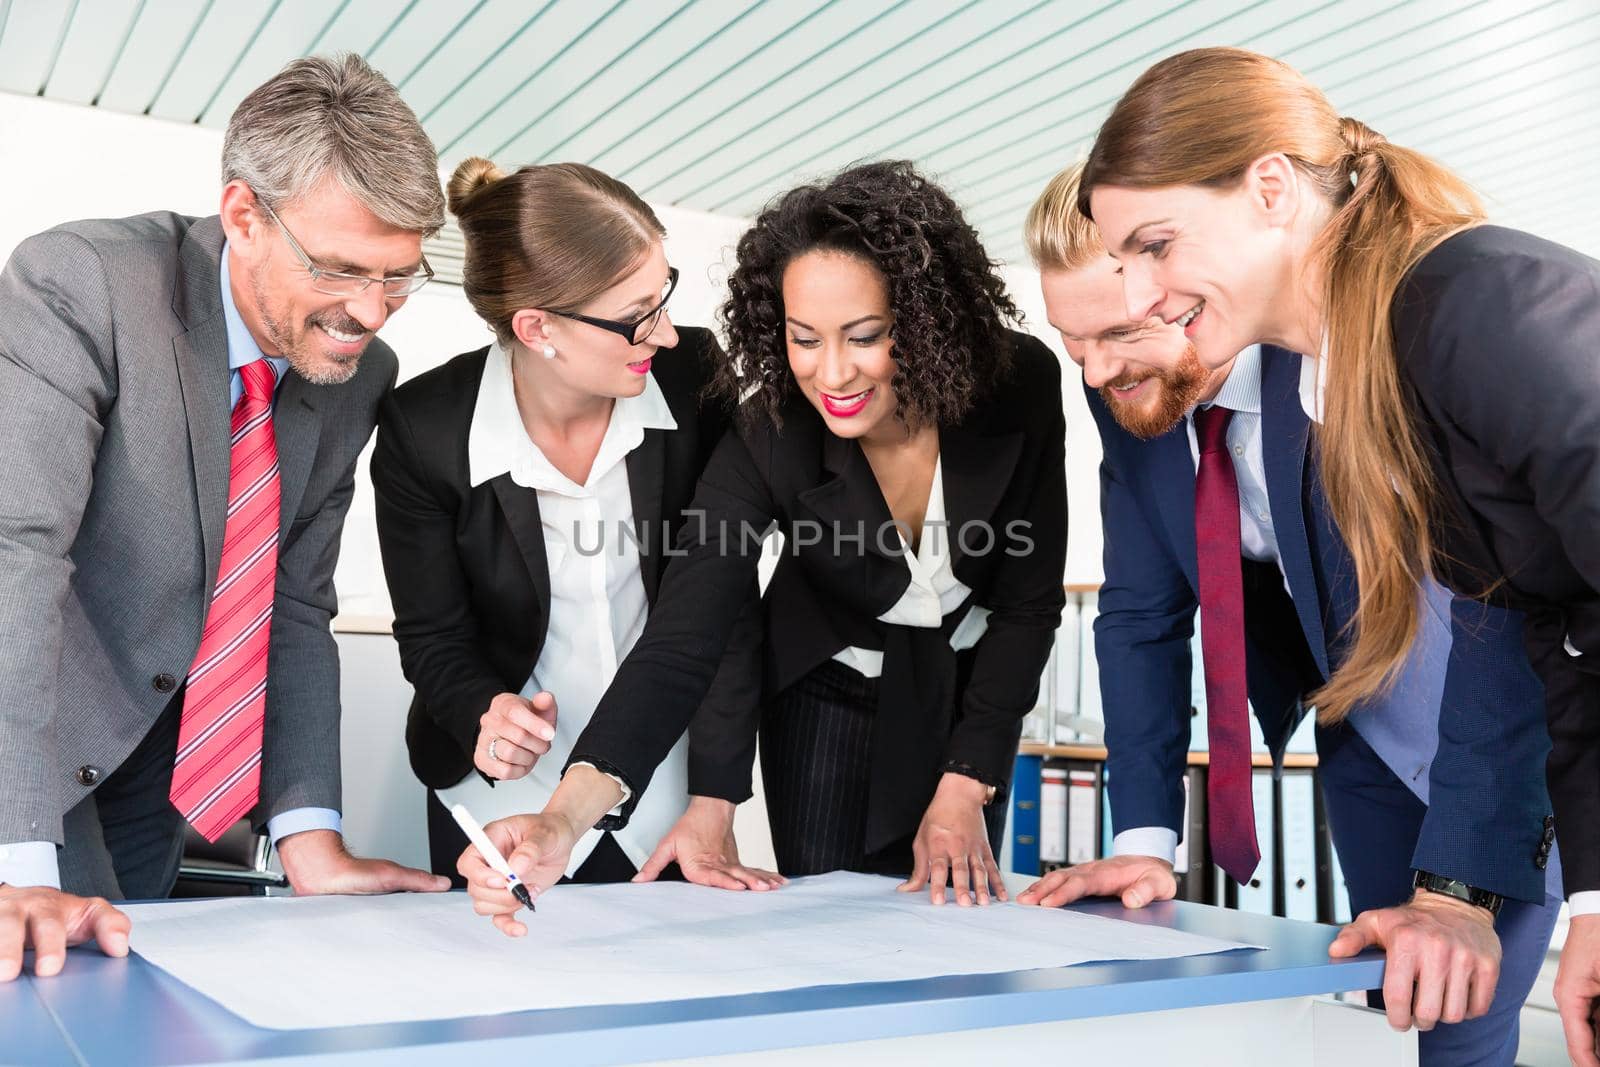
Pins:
x: 1347, y: 1033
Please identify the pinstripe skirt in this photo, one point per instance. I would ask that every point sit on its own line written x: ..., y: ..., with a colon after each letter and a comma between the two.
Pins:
x: 816, y: 766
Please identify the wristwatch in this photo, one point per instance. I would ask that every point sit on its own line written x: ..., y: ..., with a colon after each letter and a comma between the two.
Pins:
x: 1452, y: 887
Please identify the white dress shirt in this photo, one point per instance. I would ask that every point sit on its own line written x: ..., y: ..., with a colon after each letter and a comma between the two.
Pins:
x: 597, y: 600
x: 934, y: 592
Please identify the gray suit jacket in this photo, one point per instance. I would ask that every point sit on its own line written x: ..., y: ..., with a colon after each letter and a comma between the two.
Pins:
x: 114, y: 444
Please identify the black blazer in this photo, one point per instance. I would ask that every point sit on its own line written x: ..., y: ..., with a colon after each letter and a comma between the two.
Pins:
x: 1498, y: 337
x: 1003, y: 466
x: 466, y: 564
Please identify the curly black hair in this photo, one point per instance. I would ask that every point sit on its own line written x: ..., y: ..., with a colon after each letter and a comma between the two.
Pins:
x: 949, y: 304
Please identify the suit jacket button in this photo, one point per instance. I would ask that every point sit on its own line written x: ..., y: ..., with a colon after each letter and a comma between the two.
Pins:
x: 164, y: 683
x: 88, y: 775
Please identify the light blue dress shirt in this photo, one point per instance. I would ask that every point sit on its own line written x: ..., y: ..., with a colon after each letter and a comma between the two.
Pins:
x: 32, y: 863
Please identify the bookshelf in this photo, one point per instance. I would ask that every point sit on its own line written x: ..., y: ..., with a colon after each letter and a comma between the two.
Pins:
x: 1097, y: 753
x: 1061, y: 805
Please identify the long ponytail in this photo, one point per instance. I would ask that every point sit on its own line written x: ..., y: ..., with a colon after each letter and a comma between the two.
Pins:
x: 1375, y: 471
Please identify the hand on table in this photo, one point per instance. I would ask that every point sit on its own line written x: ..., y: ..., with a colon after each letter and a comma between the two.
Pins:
x: 1138, y: 880
x: 1443, y: 958
x: 1578, y: 987
x: 952, y: 845
x: 519, y: 730
x: 538, y: 848
x: 47, y: 921
x: 702, y: 843
x: 316, y: 863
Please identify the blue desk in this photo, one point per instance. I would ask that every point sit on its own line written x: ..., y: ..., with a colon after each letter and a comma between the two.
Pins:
x: 128, y: 1012
x: 27, y: 1032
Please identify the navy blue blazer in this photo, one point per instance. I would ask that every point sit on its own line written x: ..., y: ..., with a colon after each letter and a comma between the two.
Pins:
x: 1463, y: 726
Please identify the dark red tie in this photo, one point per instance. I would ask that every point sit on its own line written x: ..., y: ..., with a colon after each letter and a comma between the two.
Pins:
x: 216, y: 777
x: 1216, y: 527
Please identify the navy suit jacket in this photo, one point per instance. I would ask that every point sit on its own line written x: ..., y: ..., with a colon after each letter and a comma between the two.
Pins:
x: 1463, y: 726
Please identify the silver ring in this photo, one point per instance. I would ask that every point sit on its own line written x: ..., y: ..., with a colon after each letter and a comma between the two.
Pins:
x: 492, y: 742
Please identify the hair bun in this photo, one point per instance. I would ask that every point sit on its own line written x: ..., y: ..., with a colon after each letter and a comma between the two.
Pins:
x: 471, y: 175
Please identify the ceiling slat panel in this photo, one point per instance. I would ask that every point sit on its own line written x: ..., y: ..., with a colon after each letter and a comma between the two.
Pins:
x: 291, y: 33
x: 946, y: 115
x: 701, y: 121
x: 1014, y: 189
x: 788, y: 99
x: 945, y: 60
x: 1351, y: 59
x: 693, y: 90
x: 522, y: 83
x: 94, y: 39
x: 1080, y: 97
x: 1556, y: 221
x: 358, y: 27
x: 1291, y: 41
x: 1465, y: 61
x: 1414, y: 114
x: 220, y: 43
x: 513, y: 30
x: 159, y: 36
x: 28, y: 47
x: 718, y: 104
x: 1533, y: 186
x: 416, y: 33
x: 1554, y: 199
x: 1008, y: 183
x: 1507, y: 113
x: 1471, y: 142
x: 660, y: 107
x: 547, y: 126
x: 1080, y: 90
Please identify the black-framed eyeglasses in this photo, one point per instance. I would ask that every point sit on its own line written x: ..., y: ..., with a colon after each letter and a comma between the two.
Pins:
x: 639, y: 330
x: 338, y: 283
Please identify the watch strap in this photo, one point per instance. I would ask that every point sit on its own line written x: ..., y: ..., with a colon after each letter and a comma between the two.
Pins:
x: 1454, y: 887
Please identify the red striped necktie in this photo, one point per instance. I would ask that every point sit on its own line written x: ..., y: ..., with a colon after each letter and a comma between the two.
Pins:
x: 1232, y: 819
x: 216, y: 777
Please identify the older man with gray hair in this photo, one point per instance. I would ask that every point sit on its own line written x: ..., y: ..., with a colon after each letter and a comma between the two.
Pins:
x: 182, y: 402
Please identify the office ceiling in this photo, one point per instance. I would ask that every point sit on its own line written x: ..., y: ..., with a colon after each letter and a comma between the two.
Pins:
x: 717, y: 105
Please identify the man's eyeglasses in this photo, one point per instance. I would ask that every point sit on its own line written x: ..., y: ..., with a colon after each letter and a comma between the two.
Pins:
x: 639, y: 330
x: 338, y: 283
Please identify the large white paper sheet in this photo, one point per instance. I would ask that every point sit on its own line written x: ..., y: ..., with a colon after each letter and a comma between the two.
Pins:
x: 312, y: 962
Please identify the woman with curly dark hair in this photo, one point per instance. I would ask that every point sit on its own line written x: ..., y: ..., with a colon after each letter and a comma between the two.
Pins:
x: 909, y: 446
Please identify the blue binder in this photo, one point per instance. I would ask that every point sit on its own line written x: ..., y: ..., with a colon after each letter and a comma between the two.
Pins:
x: 1025, y: 815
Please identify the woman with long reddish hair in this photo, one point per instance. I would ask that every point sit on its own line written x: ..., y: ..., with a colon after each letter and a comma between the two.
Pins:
x: 1455, y: 368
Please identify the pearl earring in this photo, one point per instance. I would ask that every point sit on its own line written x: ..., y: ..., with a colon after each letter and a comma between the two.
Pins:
x: 549, y: 351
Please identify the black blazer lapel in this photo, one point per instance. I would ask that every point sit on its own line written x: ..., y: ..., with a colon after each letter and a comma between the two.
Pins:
x: 977, y: 469
x: 521, y: 508
x: 646, y: 475
x: 1285, y: 431
x: 850, y: 499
